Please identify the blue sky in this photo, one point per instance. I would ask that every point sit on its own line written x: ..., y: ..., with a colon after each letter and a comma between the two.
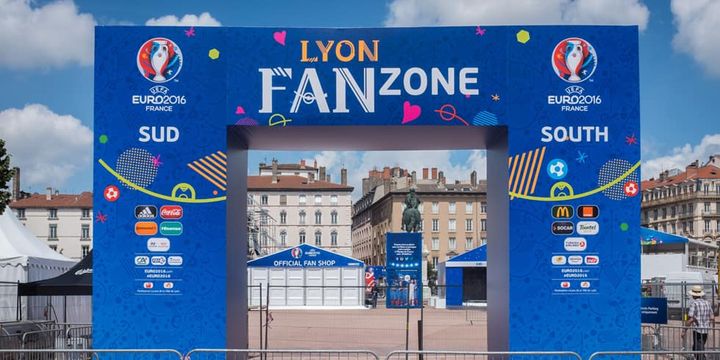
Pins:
x: 680, y: 78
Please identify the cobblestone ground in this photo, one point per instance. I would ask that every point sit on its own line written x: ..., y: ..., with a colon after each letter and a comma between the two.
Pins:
x: 379, y: 330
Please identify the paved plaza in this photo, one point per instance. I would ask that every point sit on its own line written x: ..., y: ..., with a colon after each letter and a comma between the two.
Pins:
x: 379, y: 330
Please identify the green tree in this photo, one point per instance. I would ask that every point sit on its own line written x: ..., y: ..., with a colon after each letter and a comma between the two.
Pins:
x: 5, y: 175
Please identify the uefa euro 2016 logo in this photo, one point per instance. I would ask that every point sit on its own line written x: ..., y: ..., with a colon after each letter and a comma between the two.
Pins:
x: 159, y: 60
x: 574, y: 60
x: 296, y: 253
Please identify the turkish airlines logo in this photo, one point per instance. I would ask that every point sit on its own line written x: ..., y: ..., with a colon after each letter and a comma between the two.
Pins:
x: 171, y: 212
x: 575, y: 244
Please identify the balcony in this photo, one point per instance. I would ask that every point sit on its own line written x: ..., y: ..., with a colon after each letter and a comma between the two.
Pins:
x: 682, y: 197
x: 710, y: 214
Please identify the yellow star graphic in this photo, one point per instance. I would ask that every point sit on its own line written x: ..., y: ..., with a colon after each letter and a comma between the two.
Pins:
x: 495, y: 97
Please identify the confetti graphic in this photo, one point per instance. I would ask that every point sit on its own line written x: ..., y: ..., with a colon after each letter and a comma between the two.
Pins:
x: 212, y: 168
x: 485, y: 118
x: 137, y: 165
x: 612, y: 170
x: 524, y: 170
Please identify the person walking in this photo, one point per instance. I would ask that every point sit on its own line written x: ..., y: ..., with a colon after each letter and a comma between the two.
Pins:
x: 374, y: 293
x: 699, y: 318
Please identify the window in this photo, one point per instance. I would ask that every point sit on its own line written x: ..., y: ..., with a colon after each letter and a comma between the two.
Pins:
x: 52, y: 213
x: 435, y: 207
x: 333, y: 238
x: 85, y: 250
x: 435, y: 225
x: 52, y: 234
x: 706, y: 189
x: 452, y: 225
x: 333, y: 217
x: 21, y: 213
x: 672, y: 212
x: 452, y: 244
x: 318, y: 238
x: 85, y: 213
x: 421, y: 207
x: 707, y: 207
x: 264, y: 200
x: 283, y: 217
x: 283, y: 238
x: 707, y: 225
x: 468, y: 207
x: 318, y: 199
x: 283, y: 199
x: 85, y: 232
x: 333, y: 199
x: 435, y: 243
x: 483, y: 207
x: 302, y: 199
x: 664, y: 213
x: 483, y: 225
x: 468, y: 224
x: 451, y: 207
x: 302, y: 217
x: 318, y: 217
x: 302, y: 236
x: 674, y: 229
x: 435, y: 261
x: 483, y: 241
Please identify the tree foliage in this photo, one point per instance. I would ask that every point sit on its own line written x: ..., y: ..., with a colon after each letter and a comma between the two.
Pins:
x: 6, y: 174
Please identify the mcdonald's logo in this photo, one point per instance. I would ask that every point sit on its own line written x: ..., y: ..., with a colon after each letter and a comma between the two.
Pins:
x: 562, y: 212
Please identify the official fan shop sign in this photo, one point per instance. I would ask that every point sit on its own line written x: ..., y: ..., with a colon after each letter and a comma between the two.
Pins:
x: 304, y: 256
x: 563, y: 101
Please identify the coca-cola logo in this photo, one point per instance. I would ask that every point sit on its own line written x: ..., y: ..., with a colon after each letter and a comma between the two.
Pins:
x: 171, y: 212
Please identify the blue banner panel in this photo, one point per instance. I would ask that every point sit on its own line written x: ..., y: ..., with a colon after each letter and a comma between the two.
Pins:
x: 653, y: 310
x: 305, y: 256
x: 567, y: 95
x: 404, y: 270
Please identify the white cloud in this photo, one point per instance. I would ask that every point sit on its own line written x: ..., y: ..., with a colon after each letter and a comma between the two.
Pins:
x: 680, y: 157
x: 523, y: 12
x: 49, y: 148
x: 205, y: 19
x: 52, y: 35
x: 698, y: 31
x: 359, y: 163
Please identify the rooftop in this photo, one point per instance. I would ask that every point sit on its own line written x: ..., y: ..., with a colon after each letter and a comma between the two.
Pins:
x: 83, y: 200
x: 291, y: 182
x: 692, y: 172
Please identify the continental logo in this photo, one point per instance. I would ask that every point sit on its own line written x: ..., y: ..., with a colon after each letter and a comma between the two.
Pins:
x: 562, y: 212
x: 146, y: 228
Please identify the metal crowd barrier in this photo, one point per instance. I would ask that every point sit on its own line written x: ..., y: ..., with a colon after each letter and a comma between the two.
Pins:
x: 95, y: 354
x: 675, y: 338
x: 243, y: 354
x: 481, y: 355
x: 656, y: 355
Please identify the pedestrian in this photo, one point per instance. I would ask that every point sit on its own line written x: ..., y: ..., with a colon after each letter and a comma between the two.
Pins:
x: 374, y: 293
x: 699, y: 315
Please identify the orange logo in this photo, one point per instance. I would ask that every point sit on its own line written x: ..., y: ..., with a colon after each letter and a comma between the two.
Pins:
x: 146, y: 228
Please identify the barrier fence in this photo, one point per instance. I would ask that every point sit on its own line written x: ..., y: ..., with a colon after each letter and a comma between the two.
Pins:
x: 234, y: 354
x: 655, y: 355
x: 98, y: 354
x: 678, y: 300
x: 460, y: 355
x: 675, y: 338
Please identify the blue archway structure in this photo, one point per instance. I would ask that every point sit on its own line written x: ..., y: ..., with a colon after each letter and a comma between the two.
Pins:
x: 177, y: 109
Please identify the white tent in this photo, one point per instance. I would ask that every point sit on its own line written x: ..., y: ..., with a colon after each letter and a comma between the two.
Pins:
x: 23, y: 258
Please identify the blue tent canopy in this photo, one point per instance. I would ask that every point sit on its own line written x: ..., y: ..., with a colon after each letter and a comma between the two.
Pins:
x: 304, y: 256
x: 476, y: 257
x: 654, y: 237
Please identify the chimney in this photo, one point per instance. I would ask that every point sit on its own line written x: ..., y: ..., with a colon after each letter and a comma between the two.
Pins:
x: 386, y: 173
x: 274, y: 171
x: 441, y: 177
x: 48, y: 194
x: 327, y: 178
x: 322, y: 173
x: 343, y: 176
x: 315, y: 164
x: 434, y: 173
x: 473, y: 178
x: 425, y: 173
x: 396, y: 172
x: 414, y: 177
x: 311, y: 178
x: 692, y: 169
x: 302, y: 163
x: 16, y: 183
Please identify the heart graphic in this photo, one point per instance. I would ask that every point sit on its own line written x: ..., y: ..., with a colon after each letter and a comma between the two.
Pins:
x: 410, y: 112
x: 279, y: 37
x: 239, y: 110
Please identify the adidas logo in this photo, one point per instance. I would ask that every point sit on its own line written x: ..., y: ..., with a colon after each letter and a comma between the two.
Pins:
x: 145, y: 212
